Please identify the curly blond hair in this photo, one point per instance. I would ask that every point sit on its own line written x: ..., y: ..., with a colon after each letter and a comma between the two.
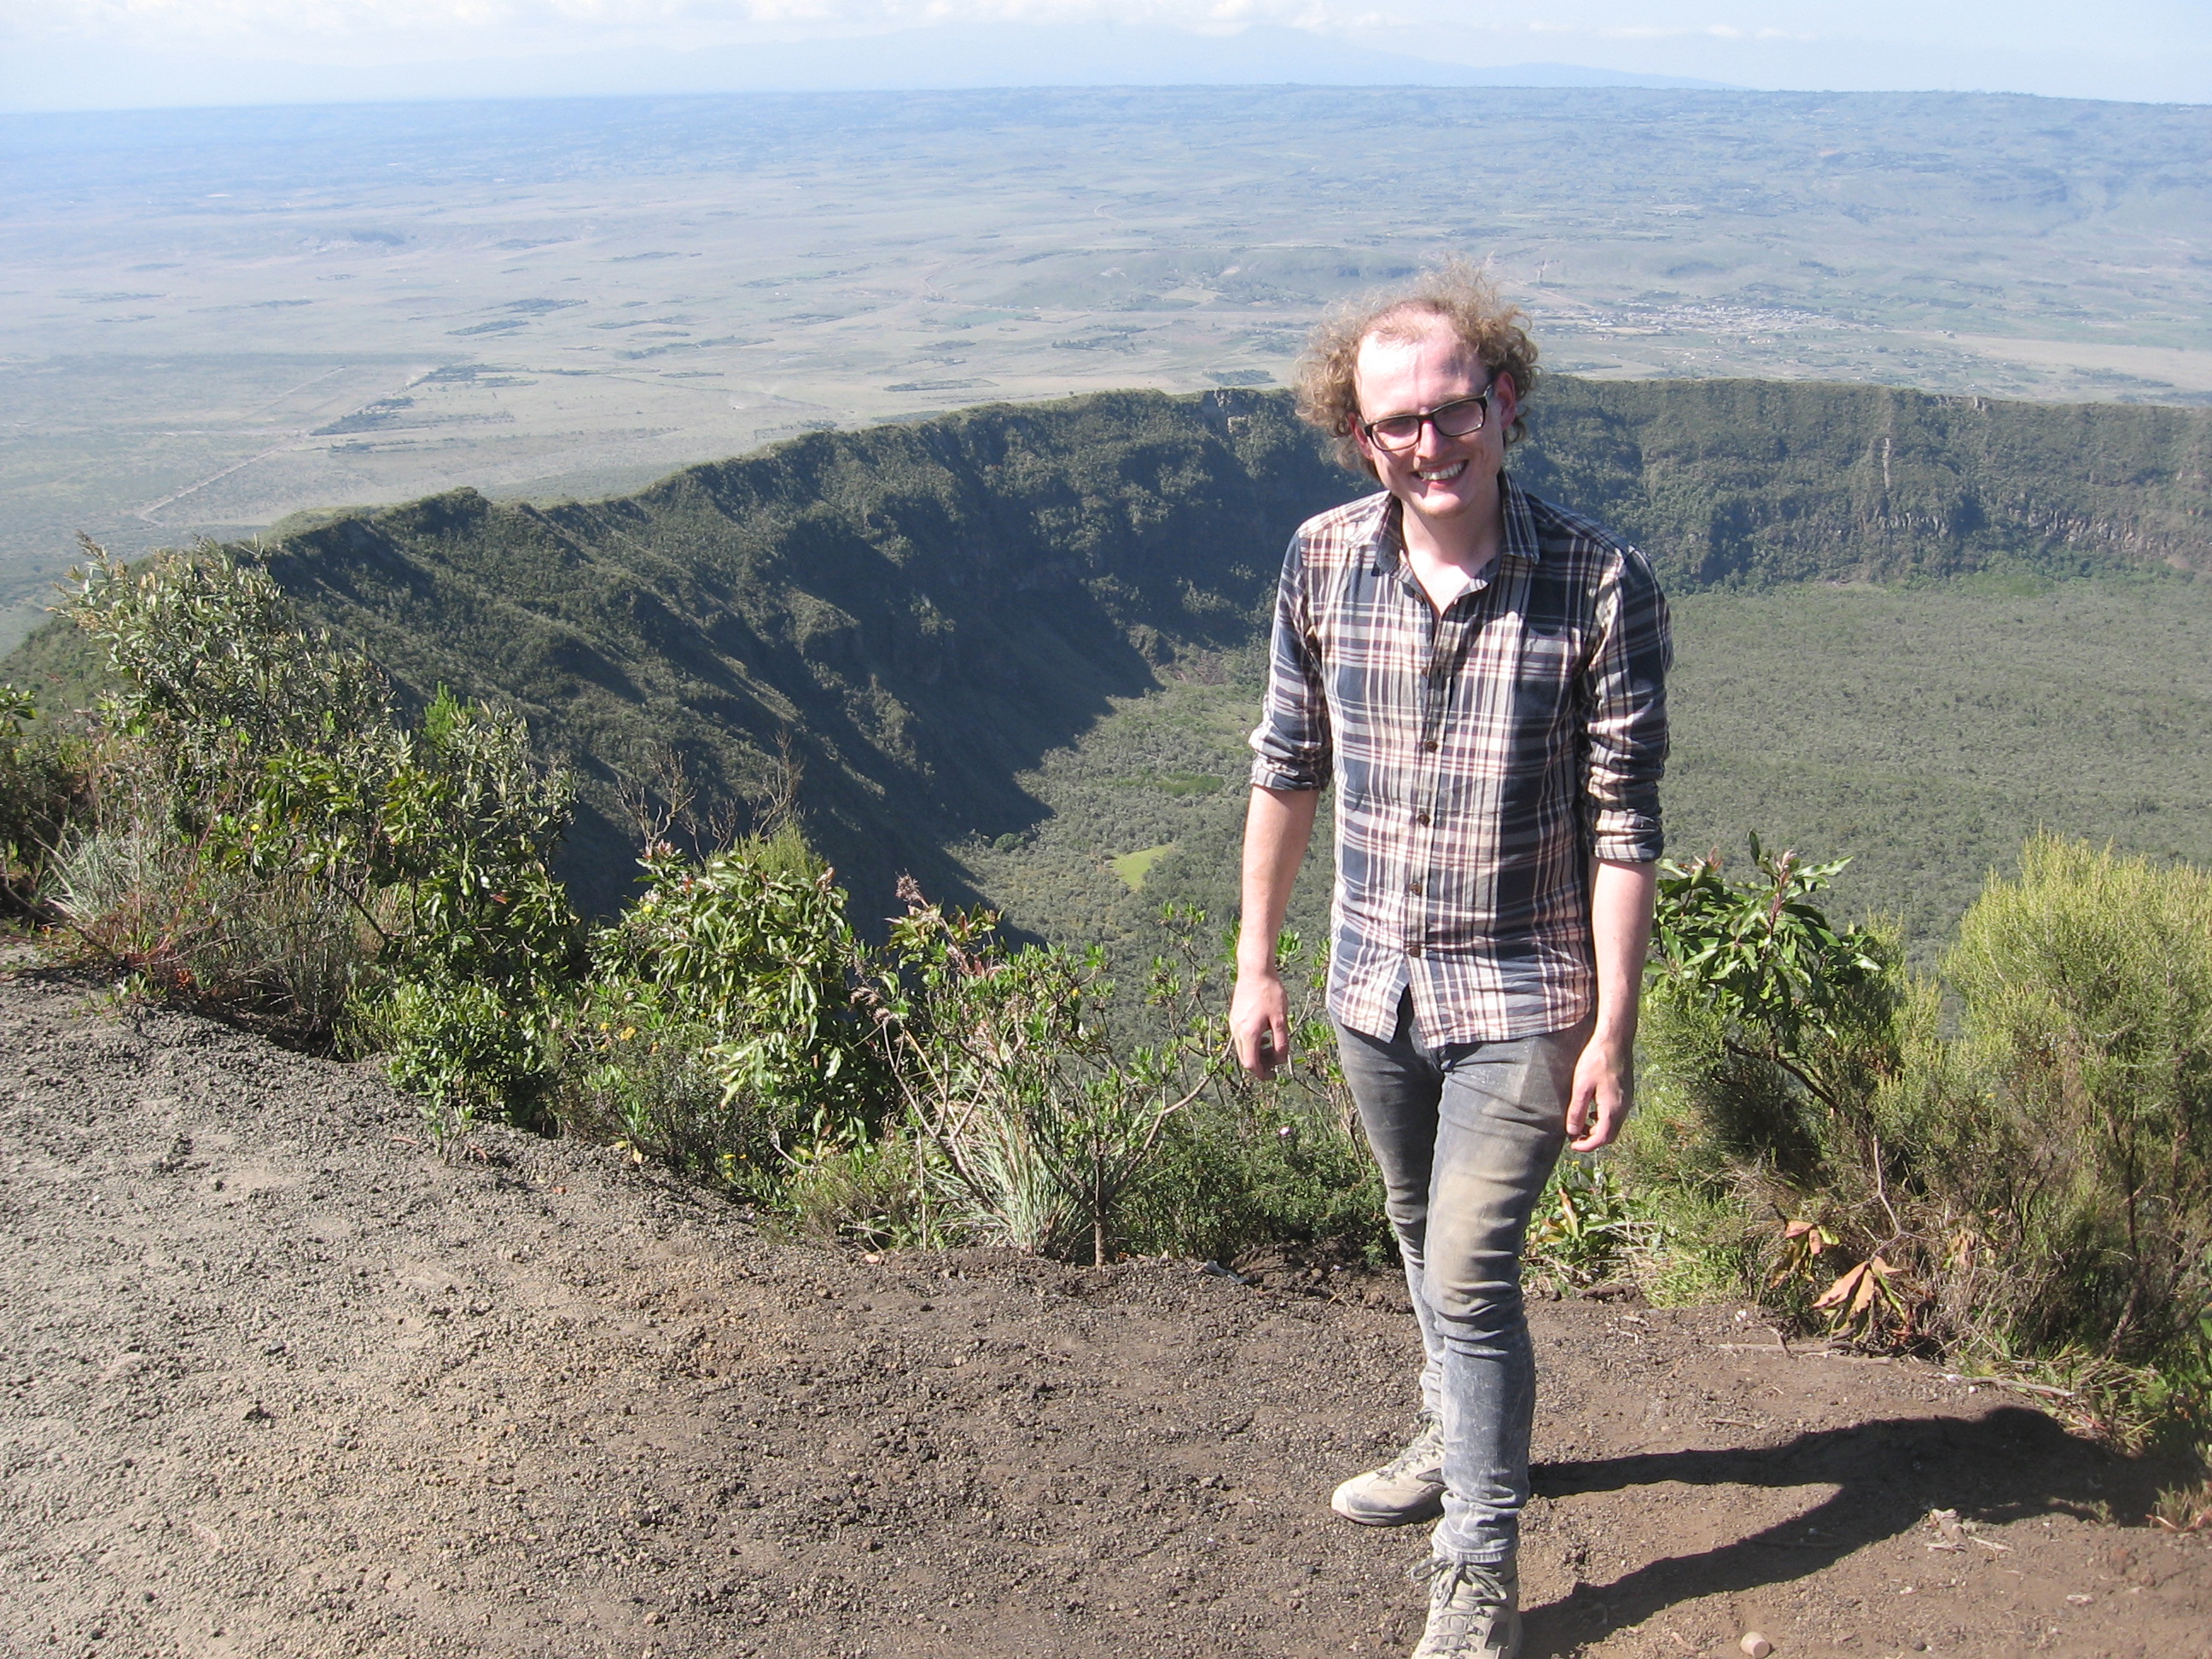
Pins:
x: 1457, y: 293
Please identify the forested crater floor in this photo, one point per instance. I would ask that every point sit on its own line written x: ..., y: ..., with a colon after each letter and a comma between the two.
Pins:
x: 276, y: 1379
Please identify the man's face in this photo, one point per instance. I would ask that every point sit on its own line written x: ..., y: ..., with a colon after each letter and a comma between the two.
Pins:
x: 1439, y: 477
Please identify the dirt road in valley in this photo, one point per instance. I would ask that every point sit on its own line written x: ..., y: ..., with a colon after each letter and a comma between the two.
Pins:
x: 277, y: 1380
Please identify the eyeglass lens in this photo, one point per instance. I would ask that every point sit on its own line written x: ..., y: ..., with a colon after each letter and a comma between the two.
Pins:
x: 1458, y: 419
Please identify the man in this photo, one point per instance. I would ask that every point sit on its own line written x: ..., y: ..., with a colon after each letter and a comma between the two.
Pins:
x: 1482, y: 673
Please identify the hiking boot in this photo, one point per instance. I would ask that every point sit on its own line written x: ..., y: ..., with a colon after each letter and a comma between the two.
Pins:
x: 1409, y: 1487
x: 1474, y: 1611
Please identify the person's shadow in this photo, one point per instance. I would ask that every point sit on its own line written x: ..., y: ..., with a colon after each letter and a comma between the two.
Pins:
x: 1889, y: 1474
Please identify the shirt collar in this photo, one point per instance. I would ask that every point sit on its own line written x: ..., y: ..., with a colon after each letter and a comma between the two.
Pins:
x: 1520, y: 541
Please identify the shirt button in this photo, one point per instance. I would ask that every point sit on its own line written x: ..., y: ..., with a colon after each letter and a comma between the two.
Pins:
x: 1429, y: 745
x: 1421, y: 819
x: 1414, y: 888
x: 1412, y: 949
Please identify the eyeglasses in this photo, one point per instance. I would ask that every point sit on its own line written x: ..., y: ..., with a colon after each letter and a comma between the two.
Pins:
x: 1462, y: 417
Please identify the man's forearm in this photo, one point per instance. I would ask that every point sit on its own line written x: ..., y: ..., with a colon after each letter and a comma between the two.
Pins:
x: 1278, y: 825
x: 1621, y: 897
x: 1620, y: 932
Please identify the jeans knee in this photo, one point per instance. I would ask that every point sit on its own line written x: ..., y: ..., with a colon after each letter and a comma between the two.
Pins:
x: 1476, y: 1317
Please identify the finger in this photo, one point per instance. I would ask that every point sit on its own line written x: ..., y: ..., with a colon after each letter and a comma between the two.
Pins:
x: 1579, y: 1104
x: 1252, y: 1050
x: 1605, y: 1125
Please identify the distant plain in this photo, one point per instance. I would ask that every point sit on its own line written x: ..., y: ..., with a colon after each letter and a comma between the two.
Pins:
x: 214, y: 320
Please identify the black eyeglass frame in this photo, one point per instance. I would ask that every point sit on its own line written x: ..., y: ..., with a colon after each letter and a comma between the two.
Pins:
x: 1428, y: 417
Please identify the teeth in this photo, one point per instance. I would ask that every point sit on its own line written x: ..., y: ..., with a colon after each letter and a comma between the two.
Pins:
x: 1438, y: 475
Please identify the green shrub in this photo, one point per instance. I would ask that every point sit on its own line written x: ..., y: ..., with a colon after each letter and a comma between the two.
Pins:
x: 1588, y: 1227
x: 637, y: 1072
x: 1038, y: 1122
x: 44, y: 789
x: 716, y: 1031
x: 463, y: 1048
x: 751, y: 945
x: 2087, y: 987
x: 277, y: 953
x: 2020, y: 1179
x: 1251, y: 1164
x: 269, y: 842
x: 870, y: 1193
x: 1767, y: 1034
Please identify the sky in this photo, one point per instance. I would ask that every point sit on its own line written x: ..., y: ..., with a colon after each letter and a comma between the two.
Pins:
x: 89, y: 53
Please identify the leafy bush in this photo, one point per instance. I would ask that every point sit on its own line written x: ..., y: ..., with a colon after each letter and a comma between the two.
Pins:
x: 1587, y: 1227
x: 2023, y: 1180
x: 463, y: 1046
x: 42, y: 789
x: 269, y: 843
x: 752, y: 946
x: 1038, y: 1122
x: 871, y: 1193
x: 1768, y: 1035
x: 1250, y: 1163
x: 716, y: 1031
x: 275, y: 951
x: 233, y: 749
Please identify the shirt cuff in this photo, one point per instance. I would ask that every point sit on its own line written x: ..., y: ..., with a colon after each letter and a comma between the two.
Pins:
x: 1271, y: 773
x: 1627, y: 840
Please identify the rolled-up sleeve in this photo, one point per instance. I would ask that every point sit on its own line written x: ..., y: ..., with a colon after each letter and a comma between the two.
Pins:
x: 1627, y: 726
x: 1291, y: 745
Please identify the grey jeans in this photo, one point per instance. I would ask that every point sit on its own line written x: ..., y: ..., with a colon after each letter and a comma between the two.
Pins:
x: 1466, y: 1135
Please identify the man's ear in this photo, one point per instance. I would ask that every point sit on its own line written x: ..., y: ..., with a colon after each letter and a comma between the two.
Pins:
x: 1366, y: 449
x: 1505, y: 399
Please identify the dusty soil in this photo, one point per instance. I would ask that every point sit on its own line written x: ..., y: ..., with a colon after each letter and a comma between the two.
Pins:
x: 277, y: 1380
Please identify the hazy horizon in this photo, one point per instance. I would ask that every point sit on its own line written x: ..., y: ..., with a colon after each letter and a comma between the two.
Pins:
x: 61, y: 55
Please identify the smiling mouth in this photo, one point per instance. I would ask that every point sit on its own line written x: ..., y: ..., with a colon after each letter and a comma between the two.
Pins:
x: 1442, y: 474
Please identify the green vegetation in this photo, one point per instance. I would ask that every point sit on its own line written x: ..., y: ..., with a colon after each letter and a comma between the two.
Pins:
x: 1133, y: 867
x: 41, y: 789
x: 2008, y: 1165
x: 259, y: 837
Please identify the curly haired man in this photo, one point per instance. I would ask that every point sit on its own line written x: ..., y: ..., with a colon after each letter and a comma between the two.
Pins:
x: 1482, y: 675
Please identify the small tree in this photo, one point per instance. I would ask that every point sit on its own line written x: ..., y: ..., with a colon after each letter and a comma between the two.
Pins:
x: 2087, y: 984
x: 1772, y: 1033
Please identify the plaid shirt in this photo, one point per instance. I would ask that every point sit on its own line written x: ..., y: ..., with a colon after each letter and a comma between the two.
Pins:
x: 1482, y: 758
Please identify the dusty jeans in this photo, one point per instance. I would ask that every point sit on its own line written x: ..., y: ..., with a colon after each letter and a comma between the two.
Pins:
x: 1466, y: 1136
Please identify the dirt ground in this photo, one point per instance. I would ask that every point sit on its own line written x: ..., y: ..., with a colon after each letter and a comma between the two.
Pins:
x: 277, y: 1380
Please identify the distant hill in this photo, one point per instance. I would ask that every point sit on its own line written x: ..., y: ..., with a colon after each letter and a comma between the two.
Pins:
x: 62, y: 75
x: 927, y: 610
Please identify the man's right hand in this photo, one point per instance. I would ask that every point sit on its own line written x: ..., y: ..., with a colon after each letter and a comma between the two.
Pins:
x: 1260, y: 1023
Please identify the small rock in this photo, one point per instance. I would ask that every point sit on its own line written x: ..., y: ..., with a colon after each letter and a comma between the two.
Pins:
x: 1755, y: 1645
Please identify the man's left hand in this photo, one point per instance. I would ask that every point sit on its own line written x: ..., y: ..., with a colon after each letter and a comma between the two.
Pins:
x: 1605, y: 1087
